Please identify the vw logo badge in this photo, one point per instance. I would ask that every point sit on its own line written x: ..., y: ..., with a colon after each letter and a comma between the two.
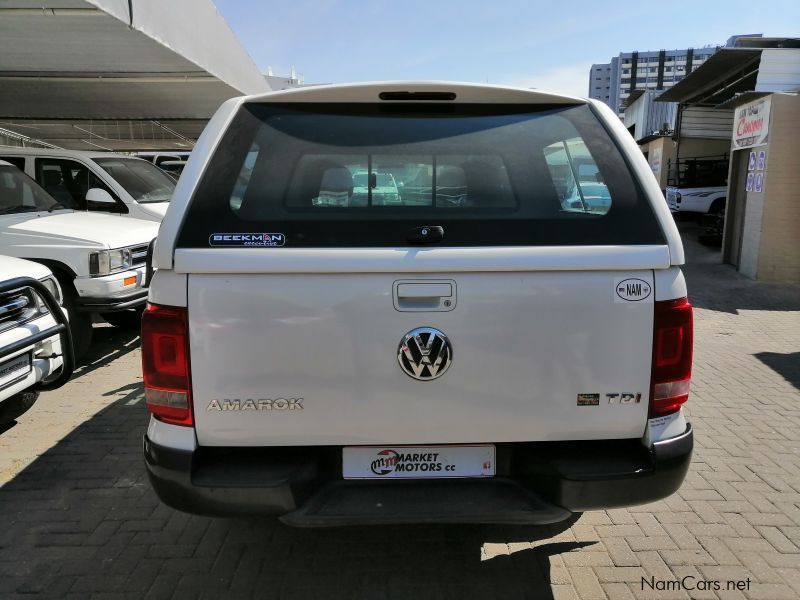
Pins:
x: 425, y: 353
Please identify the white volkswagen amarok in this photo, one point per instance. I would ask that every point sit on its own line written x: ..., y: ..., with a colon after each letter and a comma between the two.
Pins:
x: 492, y: 347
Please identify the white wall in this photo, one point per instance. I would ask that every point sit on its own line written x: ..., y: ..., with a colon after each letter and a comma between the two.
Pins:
x: 779, y: 70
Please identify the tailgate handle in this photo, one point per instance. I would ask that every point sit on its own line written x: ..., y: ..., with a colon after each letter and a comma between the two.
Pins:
x: 424, y: 295
x: 424, y: 290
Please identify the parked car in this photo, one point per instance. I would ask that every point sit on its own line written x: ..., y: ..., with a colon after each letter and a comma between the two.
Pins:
x: 173, y: 168
x: 97, y: 181
x: 381, y: 187
x: 35, y: 343
x: 490, y: 358
x: 160, y: 157
x: 98, y: 259
x: 698, y: 201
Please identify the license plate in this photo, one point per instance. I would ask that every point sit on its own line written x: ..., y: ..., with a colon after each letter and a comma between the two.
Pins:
x: 417, y: 462
x: 13, y: 369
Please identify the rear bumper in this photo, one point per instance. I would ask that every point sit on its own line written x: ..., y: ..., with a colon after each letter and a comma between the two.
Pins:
x: 537, y: 483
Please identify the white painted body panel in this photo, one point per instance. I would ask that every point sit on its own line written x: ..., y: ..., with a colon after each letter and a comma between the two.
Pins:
x: 168, y: 288
x: 420, y: 260
x: 525, y: 344
x: 68, y: 237
x: 171, y: 436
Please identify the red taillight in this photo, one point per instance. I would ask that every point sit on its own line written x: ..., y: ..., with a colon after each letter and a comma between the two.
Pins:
x: 672, y: 356
x: 165, y: 364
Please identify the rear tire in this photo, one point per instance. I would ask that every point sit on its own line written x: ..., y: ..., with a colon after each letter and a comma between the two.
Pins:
x: 717, y: 208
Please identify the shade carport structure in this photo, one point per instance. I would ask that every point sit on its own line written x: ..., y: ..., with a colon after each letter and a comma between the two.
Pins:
x: 117, y: 74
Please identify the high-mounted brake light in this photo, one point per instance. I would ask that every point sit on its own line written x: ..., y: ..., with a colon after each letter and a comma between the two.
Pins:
x: 165, y: 364
x: 672, y: 356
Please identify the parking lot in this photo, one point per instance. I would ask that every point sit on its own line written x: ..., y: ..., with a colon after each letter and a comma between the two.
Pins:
x: 78, y: 518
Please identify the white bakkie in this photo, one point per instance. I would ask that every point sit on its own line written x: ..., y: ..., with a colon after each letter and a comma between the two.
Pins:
x: 703, y: 200
x: 500, y: 348
x: 99, y: 260
x: 106, y: 182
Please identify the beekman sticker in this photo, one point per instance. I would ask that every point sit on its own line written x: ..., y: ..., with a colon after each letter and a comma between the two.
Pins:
x: 256, y: 240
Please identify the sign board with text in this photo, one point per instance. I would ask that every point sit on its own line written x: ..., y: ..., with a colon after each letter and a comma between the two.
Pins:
x: 751, y: 124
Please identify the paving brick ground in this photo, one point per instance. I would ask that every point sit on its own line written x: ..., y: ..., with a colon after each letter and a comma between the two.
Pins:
x: 78, y: 520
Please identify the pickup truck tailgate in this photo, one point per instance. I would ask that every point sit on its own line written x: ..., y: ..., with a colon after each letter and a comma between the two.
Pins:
x: 536, y: 355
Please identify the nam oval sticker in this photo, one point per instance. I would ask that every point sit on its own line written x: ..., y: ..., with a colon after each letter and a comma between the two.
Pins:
x: 632, y: 289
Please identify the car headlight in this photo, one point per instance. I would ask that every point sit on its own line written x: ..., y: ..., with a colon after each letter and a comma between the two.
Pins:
x: 52, y: 286
x: 109, y: 261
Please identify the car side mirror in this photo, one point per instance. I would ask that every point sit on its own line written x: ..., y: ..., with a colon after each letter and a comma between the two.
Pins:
x: 99, y: 199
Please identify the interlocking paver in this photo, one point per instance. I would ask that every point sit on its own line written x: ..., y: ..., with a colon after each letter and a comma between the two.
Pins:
x: 78, y: 518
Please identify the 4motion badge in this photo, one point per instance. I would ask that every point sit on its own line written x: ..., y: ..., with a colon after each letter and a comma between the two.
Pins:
x: 425, y: 353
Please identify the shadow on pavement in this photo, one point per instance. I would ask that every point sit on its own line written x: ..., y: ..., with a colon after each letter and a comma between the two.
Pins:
x: 785, y: 365
x: 108, y: 344
x: 82, y: 520
x: 716, y: 286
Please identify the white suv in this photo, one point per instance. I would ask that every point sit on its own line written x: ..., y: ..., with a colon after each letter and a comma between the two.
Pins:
x: 505, y: 341
x: 99, y: 260
x: 97, y: 181
x: 35, y: 345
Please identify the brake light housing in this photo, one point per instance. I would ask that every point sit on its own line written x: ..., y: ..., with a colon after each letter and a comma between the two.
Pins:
x: 673, y: 340
x: 165, y: 364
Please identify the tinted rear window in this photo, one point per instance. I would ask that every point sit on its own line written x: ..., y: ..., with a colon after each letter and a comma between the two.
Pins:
x: 365, y: 175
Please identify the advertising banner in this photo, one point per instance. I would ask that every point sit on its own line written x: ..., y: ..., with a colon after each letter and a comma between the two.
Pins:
x: 751, y: 123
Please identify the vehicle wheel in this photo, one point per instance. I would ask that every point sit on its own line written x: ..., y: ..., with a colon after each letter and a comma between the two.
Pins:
x: 16, y: 405
x: 717, y: 208
x: 125, y: 319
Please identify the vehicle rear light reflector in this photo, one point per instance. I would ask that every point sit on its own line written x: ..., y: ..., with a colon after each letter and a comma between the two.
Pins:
x: 672, y: 356
x: 165, y: 364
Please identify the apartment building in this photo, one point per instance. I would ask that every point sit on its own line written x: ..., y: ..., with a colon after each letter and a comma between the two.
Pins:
x: 614, y: 82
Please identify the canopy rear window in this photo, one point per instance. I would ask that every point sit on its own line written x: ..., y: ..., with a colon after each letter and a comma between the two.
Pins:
x: 332, y: 175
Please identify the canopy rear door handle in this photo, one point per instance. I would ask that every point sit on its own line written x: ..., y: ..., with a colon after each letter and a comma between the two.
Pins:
x: 422, y: 295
